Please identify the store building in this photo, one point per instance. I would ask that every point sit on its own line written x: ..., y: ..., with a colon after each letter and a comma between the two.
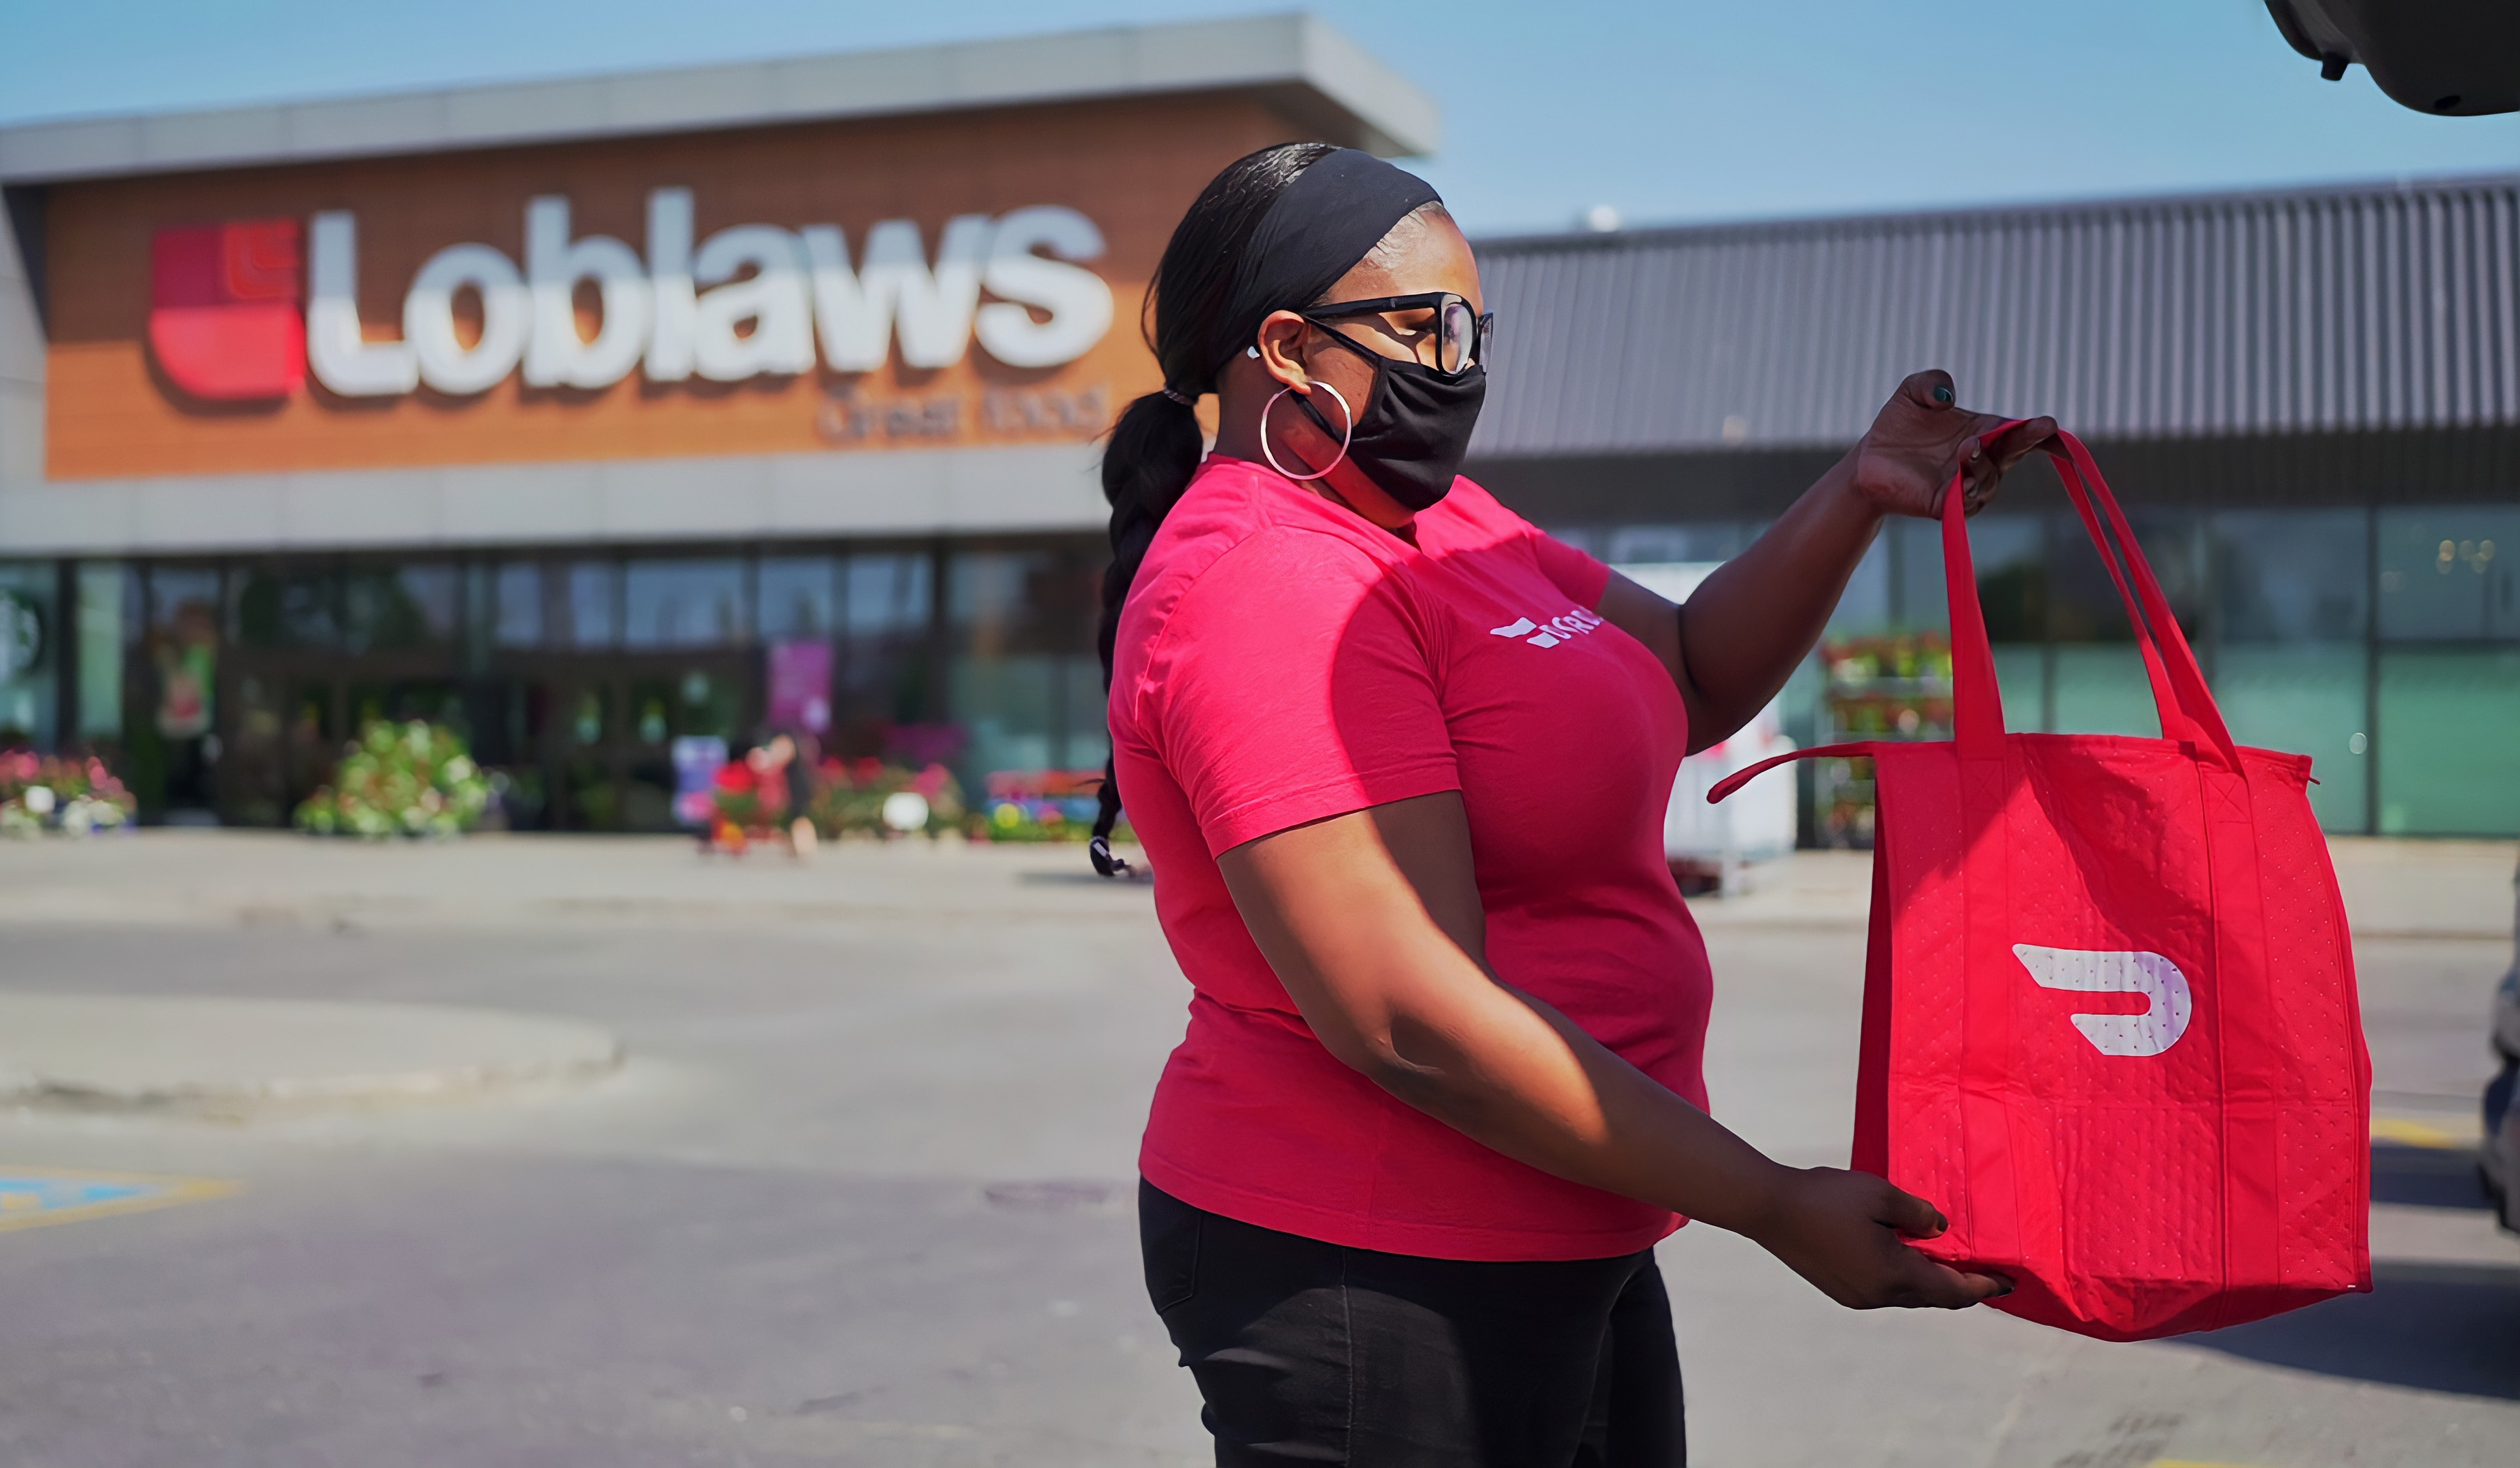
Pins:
x: 591, y: 414
x: 595, y: 412
x: 2309, y: 400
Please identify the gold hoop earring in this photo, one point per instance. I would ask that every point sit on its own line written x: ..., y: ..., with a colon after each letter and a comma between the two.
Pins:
x: 1346, y: 436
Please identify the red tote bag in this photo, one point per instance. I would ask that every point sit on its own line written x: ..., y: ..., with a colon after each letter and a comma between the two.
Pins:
x: 2110, y: 1025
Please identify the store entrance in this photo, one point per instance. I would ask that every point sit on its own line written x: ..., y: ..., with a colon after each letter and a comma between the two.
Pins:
x: 574, y: 741
x: 585, y: 741
x: 286, y: 716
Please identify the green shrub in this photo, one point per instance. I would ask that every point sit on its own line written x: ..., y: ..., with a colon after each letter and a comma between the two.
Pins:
x: 399, y: 779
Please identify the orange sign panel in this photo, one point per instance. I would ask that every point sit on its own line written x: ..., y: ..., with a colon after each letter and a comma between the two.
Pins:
x: 965, y: 278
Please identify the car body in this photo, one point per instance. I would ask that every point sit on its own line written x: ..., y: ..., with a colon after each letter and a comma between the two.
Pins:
x: 2498, y: 1159
x: 2454, y: 58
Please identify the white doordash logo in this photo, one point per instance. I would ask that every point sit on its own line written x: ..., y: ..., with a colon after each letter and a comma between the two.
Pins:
x: 2151, y: 975
x: 1574, y: 624
x: 772, y: 292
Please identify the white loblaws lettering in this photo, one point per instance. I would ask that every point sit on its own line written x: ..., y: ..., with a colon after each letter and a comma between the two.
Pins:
x: 557, y: 356
x: 2110, y: 971
x: 771, y: 292
x: 1518, y: 627
x: 446, y: 364
x: 773, y: 299
x: 854, y: 338
x: 895, y: 292
x: 674, y: 309
x: 338, y: 352
x: 1076, y: 299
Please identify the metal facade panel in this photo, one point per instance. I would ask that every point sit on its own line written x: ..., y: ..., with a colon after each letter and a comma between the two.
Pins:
x: 2338, y: 310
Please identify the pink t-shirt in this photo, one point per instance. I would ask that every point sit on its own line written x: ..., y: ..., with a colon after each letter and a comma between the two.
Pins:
x: 1282, y: 660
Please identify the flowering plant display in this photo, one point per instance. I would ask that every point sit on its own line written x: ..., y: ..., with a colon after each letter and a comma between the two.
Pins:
x: 399, y: 779
x: 41, y: 792
x: 1921, y: 657
x: 745, y: 799
x: 859, y: 797
x: 1040, y: 805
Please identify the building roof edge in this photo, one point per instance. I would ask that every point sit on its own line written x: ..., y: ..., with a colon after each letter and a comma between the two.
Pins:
x: 1789, y: 225
x: 1295, y: 61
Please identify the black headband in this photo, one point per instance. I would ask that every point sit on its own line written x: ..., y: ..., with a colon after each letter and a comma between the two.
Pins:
x: 1331, y: 216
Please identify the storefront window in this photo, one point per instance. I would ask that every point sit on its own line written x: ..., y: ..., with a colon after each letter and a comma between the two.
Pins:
x: 1004, y: 699
x: 177, y: 751
x: 1089, y: 728
x: 2010, y: 553
x: 104, y: 590
x: 683, y: 603
x: 399, y: 607
x: 2449, y: 764
x: 2100, y: 681
x: 2306, y: 698
x: 796, y: 601
x: 286, y: 605
x: 2446, y: 574
x: 2292, y: 575
x: 1865, y: 606
x: 1914, y: 551
x: 2292, y: 607
x: 2101, y: 688
x: 1024, y: 624
x: 1702, y: 540
x: 587, y: 610
x: 516, y: 605
x: 30, y: 628
x: 888, y: 598
x: 2083, y: 600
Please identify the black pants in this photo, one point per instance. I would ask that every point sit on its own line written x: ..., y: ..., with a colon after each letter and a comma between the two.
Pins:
x: 1311, y: 1353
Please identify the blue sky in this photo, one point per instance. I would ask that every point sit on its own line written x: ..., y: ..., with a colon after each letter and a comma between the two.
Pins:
x: 1679, y: 110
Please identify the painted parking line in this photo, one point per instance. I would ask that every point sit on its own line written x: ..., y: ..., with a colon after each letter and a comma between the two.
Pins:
x: 33, y: 1197
x: 2407, y: 1132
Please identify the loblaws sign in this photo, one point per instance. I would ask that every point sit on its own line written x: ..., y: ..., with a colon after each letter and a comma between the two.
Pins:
x: 755, y: 299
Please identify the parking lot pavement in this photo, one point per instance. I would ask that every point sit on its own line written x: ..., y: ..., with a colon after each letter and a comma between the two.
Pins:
x: 859, y: 1192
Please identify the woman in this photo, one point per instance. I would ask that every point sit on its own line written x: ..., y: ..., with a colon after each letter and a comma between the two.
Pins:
x: 1402, y: 761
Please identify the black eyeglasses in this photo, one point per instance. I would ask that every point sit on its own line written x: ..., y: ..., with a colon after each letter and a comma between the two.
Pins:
x: 1460, y: 332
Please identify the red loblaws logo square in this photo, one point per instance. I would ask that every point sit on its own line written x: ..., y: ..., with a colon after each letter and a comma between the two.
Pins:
x: 224, y: 318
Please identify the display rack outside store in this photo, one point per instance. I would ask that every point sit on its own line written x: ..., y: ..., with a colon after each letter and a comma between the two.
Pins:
x: 1880, y: 688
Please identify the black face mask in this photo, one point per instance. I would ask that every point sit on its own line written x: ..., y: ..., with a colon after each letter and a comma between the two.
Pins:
x: 1415, y: 425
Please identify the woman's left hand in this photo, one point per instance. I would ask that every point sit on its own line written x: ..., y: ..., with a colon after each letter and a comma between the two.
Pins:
x: 1905, y: 461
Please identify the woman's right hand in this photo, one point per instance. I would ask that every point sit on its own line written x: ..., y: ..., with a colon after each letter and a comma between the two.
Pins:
x: 1847, y: 1232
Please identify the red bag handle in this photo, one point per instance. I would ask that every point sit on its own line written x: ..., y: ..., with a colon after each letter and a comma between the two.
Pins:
x: 1862, y: 749
x: 2185, y: 705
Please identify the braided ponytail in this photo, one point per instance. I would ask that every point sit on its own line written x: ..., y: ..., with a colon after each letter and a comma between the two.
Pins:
x: 1156, y: 445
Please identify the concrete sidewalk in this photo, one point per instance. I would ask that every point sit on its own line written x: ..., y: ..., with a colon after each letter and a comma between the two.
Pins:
x: 187, y: 878
x: 237, y: 1057
x: 229, y: 1057
x: 2435, y: 889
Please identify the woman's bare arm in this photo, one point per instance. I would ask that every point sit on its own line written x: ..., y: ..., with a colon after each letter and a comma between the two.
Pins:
x: 1737, y: 640
x: 1372, y: 922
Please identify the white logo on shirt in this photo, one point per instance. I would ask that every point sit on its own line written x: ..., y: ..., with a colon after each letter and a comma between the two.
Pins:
x: 1575, y: 623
